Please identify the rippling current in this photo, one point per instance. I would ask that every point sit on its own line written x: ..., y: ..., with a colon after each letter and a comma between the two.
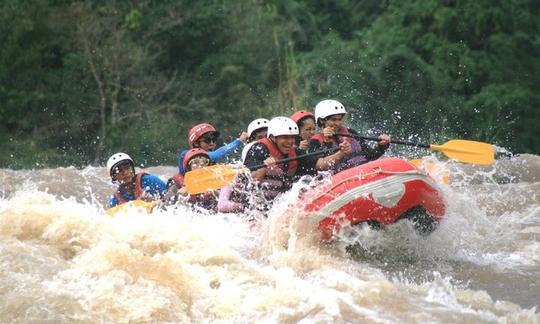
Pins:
x: 62, y: 259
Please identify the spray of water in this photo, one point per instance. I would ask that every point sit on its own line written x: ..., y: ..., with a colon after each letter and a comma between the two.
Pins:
x: 63, y: 259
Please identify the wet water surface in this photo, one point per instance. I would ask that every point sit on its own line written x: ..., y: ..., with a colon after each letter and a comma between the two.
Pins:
x: 63, y: 259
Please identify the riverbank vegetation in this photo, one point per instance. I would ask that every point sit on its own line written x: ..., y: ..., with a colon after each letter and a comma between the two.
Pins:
x: 82, y: 79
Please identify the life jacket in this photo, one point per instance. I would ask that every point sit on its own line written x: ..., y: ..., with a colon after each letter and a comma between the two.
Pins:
x: 277, y: 180
x: 178, y: 179
x: 205, y: 200
x: 139, y: 192
x: 334, y: 140
x: 354, y: 159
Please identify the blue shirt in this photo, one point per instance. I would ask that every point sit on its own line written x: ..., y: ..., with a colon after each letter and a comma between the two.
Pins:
x: 152, y: 185
x: 216, y: 155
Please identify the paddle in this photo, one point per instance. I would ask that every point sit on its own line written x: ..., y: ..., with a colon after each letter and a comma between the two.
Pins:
x: 141, y: 205
x: 220, y: 175
x: 460, y: 150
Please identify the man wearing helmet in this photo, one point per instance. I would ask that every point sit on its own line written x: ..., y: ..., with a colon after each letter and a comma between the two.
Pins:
x: 132, y: 186
x: 329, y: 115
x: 280, y: 144
x: 205, y: 136
x: 257, y: 130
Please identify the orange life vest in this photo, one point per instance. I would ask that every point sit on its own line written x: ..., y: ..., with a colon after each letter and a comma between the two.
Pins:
x: 274, y: 182
x: 354, y: 159
x: 139, y: 192
x: 334, y: 139
x: 276, y: 154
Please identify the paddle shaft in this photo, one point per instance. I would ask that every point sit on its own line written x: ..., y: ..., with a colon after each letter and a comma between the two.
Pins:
x: 298, y: 157
x: 393, y: 141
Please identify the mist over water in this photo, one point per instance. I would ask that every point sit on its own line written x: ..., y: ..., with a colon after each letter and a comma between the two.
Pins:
x: 63, y: 259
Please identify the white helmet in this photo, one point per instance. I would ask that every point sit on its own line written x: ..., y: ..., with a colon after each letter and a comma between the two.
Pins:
x: 282, y: 126
x: 117, y: 158
x: 256, y: 125
x: 327, y: 108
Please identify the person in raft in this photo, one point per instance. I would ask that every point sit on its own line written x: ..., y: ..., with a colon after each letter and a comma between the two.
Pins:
x: 275, y: 178
x: 235, y: 197
x: 132, y: 186
x: 329, y: 116
x: 306, y: 126
x: 176, y: 190
x: 205, y: 136
x: 256, y: 130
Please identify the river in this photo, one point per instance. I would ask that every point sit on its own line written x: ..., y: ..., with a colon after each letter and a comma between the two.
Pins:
x: 64, y: 260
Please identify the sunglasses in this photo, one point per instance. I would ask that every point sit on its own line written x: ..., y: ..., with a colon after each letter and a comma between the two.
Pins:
x: 202, y: 161
x: 209, y: 139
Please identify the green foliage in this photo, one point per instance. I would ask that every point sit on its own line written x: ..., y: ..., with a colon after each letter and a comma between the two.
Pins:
x: 480, y: 53
x: 133, y: 19
x: 82, y: 79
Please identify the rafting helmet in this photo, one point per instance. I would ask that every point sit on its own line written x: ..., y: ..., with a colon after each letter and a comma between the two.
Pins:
x: 301, y: 114
x: 282, y: 126
x: 257, y: 124
x: 327, y: 108
x: 118, y: 159
x: 191, y: 154
x: 199, y: 130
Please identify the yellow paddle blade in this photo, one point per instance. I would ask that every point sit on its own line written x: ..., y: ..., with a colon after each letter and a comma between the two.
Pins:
x: 142, y: 205
x: 210, y: 178
x: 467, y: 151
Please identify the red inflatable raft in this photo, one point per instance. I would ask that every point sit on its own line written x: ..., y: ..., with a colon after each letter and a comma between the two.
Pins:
x: 380, y: 193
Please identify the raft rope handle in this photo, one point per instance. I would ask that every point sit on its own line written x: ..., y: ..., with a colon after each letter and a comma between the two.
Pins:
x: 376, y: 170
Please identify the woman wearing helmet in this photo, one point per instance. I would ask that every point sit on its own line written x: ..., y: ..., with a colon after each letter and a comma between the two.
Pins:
x: 306, y: 126
x: 279, y: 144
x: 132, y: 186
x: 257, y: 130
x: 205, y: 136
x: 329, y: 115
x: 194, y: 159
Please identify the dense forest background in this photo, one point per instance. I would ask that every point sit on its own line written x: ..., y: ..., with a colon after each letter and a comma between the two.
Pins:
x: 82, y: 79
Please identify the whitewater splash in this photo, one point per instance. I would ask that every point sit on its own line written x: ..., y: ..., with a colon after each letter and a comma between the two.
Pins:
x: 63, y: 260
